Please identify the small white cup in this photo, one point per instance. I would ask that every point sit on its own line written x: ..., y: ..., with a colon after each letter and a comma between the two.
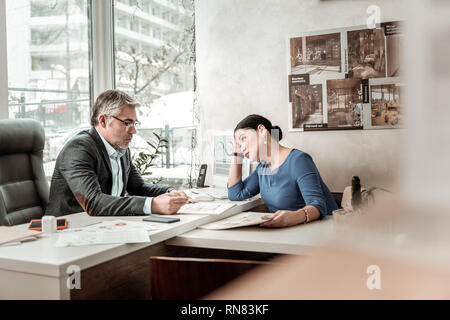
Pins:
x: 48, y: 224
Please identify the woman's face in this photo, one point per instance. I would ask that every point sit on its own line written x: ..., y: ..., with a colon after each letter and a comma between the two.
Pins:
x: 248, y: 140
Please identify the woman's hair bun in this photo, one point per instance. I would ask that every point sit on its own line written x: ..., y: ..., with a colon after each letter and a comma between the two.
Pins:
x: 254, y: 120
x: 280, y: 133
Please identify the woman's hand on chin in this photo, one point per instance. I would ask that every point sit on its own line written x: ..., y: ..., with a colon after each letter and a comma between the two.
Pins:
x: 284, y: 218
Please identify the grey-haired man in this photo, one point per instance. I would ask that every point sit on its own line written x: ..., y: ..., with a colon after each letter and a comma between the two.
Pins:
x: 94, y: 171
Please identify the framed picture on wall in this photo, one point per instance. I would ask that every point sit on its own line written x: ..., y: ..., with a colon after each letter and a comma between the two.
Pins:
x: 386, y: 104
x: 366, y: 53
x: 344, y: 103
x: 316, y: 54
x: 331, y: 74
x: 307, y: 105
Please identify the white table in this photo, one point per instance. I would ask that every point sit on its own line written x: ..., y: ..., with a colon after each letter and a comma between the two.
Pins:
x: 299, y: 239
x: 38, y: 269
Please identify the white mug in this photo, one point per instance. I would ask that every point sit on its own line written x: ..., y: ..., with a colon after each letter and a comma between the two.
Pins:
x: 48, y: 224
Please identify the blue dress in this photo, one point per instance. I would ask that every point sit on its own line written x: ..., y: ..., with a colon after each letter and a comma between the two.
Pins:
x: 291, y: 186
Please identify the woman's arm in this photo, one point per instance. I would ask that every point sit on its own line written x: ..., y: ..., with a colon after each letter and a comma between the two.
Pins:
x: 244, y: 189
x: 286, y: 218
x: 238, y: 189
x: 235, y: 174
x: 309, y: 184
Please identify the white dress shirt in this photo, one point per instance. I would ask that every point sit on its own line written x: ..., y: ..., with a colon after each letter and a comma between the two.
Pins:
x: 117, y: 177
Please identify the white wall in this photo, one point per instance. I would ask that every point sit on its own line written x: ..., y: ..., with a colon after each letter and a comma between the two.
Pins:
x: 242, y: 69
x: 427, y: 155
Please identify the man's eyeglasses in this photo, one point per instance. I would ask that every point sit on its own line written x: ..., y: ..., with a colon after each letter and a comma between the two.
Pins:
x: 129, y: 123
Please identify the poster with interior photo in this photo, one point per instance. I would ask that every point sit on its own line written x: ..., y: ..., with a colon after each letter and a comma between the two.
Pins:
x: 345, y: 104
x: 307, y: 106
x: 316, y: 54
x: 375, y: 53
x: 340, y: 63
x: 386, y: 105
x: 366, y: 53
x: 393, y: 32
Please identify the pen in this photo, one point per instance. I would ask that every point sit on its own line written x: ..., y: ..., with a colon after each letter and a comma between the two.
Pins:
x: 92, y: 224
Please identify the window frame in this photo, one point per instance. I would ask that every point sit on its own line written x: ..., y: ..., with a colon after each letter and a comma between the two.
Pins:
x: 101, y: 51
x: 4, y: 113
x: 101, y: 56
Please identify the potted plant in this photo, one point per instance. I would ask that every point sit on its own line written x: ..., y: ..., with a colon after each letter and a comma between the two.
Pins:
x: 143, y: 161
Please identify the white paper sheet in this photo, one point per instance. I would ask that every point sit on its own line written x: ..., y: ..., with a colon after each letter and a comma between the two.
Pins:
x: 119, y: 224
x: 215, y: 193
x: 239, y: 220
x: 205, y: 208
x: 108, y: 232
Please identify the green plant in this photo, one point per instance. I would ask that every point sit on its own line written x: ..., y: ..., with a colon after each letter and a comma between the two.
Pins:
x: 144, y: 160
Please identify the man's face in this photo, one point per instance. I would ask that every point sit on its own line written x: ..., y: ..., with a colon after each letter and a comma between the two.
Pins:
x: 116, y: 132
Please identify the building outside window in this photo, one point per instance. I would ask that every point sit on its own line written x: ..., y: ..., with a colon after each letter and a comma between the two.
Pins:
x: 122, y: 21
x: 134, y: 25
x: 156, y: 11
x: 157, y: 33
x: 146, y: 29
x: 158, y: 70
x: 48, y: 68
x: 49, y: 78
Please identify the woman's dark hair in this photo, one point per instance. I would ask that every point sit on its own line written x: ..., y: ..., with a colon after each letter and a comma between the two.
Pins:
x: 254, y: 120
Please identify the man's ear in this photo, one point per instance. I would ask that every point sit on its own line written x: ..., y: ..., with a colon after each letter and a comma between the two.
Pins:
x: 102, y: 120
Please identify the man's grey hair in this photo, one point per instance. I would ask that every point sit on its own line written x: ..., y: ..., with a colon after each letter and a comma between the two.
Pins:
x: 109, y: 103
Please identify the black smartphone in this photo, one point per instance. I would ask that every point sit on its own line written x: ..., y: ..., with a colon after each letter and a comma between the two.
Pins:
x: 152, y: 218
x: 201, y: 176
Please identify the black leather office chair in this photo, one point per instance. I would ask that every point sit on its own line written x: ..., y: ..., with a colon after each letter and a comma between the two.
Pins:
x: 23, y: 187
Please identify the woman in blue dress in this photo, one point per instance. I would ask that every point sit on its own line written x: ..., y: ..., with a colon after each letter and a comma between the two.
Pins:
x: 287, y: 179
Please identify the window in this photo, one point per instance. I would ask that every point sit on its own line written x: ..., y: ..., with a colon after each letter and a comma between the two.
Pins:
x: 159, y: 73
x: 156, y: 11
x: 46, y: 8
x: 173, y: 18
x: 156, y: 33
x: 145, y: 29
x: 48, y: 68
x: 134, y: 25
x: 147, y: 8
x: 122, y: 21
x: 46, y: 35
x: 48, y: 48
x: 165, y: 15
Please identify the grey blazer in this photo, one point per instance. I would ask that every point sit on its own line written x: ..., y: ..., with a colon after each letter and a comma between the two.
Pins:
x: 82, y: 181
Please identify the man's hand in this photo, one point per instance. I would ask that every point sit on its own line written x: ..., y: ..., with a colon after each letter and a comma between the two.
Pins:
x: 181, y: 193
x: 169, y: 203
